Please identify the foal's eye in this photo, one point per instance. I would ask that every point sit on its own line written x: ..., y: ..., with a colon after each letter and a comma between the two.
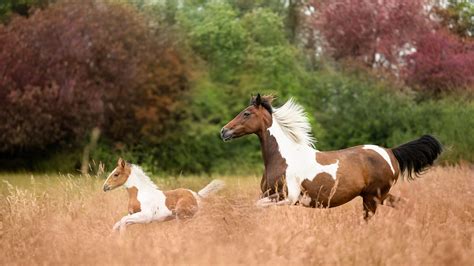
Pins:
x: 246, y: 114
x: 116, y: 175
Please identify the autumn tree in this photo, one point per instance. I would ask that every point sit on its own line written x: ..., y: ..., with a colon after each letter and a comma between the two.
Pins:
x: 75, y: 66
x: 375, y: 32
x: 441, y: 63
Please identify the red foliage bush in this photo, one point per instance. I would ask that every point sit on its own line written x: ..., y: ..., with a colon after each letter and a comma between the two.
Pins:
x: 362, y: 29
x: 71, y: 67
x: 441, y: 63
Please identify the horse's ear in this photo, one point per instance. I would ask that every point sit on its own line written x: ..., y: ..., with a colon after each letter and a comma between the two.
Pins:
x: 121, y: 162
x: 258, y: 100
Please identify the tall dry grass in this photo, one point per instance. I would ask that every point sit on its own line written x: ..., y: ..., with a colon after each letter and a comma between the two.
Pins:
x: 67, y: 220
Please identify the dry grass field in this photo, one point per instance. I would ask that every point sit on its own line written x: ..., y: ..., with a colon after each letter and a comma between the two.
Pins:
x: 68, y: 220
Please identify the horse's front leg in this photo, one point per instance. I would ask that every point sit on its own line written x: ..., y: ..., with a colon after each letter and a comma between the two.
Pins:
x: 268, y: 201
x: 294, y: 190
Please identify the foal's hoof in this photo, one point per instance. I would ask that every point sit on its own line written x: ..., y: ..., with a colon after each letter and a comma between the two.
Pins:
x: 116, y: 227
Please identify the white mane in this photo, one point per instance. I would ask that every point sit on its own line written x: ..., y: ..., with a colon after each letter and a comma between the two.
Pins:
x: 293, y: 120
x: 138, y: 173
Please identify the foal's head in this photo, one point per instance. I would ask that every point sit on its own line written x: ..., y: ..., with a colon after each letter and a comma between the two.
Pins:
x: 256, y: 118
x: 118, y: 176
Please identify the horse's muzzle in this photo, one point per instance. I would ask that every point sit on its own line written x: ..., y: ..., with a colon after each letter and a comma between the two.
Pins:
x: 106, y: 188
x: 227, y: 134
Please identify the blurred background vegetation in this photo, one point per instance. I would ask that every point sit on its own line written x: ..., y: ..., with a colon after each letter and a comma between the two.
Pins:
x: 159, y: 78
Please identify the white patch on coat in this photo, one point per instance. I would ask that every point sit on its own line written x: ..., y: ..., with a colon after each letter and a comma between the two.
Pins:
x: 295, y: 144
x: 382, y: 152
x: 152, y: 200
x: 330, y: 169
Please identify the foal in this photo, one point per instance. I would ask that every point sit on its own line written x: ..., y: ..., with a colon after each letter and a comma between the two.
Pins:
x: 295, y: 172
x: 146, y: 203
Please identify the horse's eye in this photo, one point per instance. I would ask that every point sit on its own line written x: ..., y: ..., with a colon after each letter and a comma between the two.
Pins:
x: 116, y: 175
x: 246, y: 114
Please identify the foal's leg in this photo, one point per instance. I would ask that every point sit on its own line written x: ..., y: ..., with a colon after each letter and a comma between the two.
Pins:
x: 185, y: 209
x: 138, y: 217
x: 370, y: 206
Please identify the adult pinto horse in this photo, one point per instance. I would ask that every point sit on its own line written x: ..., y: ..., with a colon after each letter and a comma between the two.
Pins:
x: 295, y: 172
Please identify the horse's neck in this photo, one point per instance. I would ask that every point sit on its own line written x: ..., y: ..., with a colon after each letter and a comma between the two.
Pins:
x: 139, y: 180
x: 270, y: 150
x: 275, y: 164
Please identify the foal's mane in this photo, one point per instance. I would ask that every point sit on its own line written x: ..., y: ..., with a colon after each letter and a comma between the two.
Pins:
x: 139, y: 173
x: 293, y: 120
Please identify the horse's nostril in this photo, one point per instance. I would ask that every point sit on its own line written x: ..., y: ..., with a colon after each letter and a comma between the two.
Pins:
x: 223, y: 131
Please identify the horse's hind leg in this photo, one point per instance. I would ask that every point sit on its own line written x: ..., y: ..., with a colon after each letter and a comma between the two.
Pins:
x: 370, y: 206
x: 185, y: 209
x: 391, y: 200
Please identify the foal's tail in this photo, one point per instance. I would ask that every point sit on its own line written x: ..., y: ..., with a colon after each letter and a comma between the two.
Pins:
x: 211, y: 188
x: 417, y: 155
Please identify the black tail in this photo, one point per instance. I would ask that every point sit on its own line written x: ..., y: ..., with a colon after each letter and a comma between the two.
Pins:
x: 415, y: 156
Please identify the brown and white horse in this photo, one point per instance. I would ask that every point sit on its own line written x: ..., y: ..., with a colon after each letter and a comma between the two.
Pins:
x: 147, y: 203
x: 295, y: 172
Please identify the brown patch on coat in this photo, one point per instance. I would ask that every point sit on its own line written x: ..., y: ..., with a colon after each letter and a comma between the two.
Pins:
x: 181, y: 202
x: 326, y: 158
x: 319, y: 189
x: 133, y: 202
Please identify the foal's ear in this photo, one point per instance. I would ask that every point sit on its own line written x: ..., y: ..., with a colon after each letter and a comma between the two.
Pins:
x: 258, y: 100
x: 121, y: 162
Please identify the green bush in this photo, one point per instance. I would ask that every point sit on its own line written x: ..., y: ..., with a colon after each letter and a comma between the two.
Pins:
x: 196, y: 146
x: 449, y: 119
x: 353, y: 110
x: 357, y: 109
x: 216, y: 34
x: 265, y: 27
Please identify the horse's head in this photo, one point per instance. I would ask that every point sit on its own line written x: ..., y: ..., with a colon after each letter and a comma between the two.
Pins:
x: 118, y: 176
x: 256, y: 118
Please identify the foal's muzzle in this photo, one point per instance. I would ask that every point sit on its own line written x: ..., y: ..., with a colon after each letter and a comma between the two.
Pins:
x: 106, y: 188
x: 227, y: 134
